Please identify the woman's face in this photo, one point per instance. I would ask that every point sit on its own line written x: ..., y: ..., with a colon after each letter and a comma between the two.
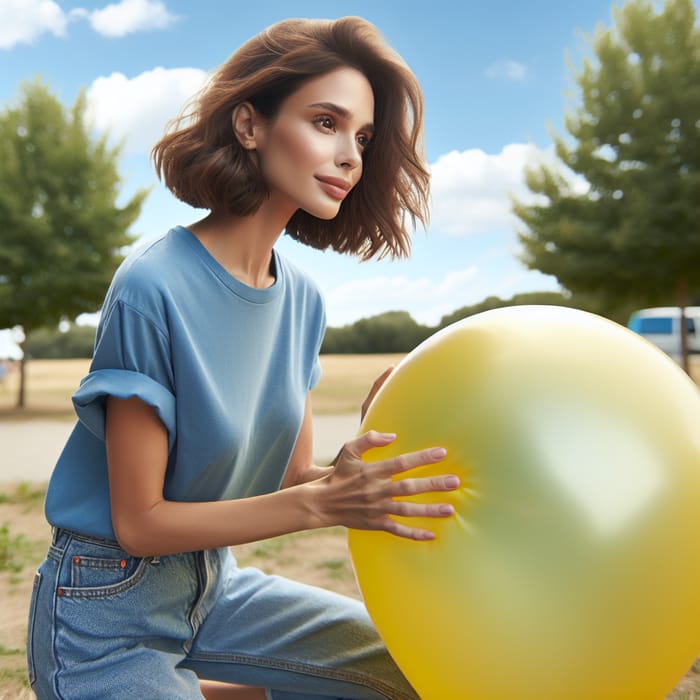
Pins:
x: 311, y: 151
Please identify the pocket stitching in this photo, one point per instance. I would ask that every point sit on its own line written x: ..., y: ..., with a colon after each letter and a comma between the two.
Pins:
x: 31, y: 667
x: 105, y: 591
x: 87, y: 564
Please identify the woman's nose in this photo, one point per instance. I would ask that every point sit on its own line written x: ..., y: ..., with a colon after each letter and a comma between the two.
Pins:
x: 349, y: 154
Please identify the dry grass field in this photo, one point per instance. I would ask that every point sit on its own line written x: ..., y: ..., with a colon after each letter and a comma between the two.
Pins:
x: 320, y: 558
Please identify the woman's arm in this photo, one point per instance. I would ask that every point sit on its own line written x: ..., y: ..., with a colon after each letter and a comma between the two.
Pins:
x: 301, y: 467
x: 147, y: 524
x: 353, y: 493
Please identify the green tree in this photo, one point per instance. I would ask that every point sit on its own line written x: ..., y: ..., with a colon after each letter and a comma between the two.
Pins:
x: 61, y: 230
x: 634, y: 137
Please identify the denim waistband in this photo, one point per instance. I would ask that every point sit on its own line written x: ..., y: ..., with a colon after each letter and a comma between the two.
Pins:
x: 60, y: 536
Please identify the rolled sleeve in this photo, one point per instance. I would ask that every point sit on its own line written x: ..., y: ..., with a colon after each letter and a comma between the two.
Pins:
x: 91, y: 397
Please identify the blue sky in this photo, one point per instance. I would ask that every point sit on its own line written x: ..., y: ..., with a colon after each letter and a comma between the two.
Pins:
x: 495, y: 78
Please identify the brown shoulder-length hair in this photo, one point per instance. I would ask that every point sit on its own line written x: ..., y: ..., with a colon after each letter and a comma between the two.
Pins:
x: 202, y: 163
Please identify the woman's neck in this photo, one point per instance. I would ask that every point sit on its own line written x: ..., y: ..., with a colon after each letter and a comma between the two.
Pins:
x: 243, y: 245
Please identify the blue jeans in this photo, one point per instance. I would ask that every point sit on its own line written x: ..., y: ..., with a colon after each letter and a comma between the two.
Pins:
x: 105, y: 625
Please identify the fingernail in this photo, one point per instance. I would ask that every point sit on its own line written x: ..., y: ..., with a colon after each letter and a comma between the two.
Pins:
x: 451, y: 482
x: 446, y: 509
x: 389, y: 436
x: 439, y: 452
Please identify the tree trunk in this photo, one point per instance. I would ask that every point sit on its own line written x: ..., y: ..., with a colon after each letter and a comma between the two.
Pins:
x: 683, y: 303
x: 22, y: 377
x: 22, y: 371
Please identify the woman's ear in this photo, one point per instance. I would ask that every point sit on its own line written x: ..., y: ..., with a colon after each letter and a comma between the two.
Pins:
x: 247, y: 125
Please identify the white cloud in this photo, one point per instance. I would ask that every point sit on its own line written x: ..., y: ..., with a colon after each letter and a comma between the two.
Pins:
x: 22, y: 21
x: 128, y: 16
x: 138, y: 108
x: 471, y: 189
x: 510, y: 70
x: 427, y: 300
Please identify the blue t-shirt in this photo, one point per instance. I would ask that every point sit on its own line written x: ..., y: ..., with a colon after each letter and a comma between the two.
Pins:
x: 226, y: 367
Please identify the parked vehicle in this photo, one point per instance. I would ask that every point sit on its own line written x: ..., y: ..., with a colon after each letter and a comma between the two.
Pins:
x: 662, y: 327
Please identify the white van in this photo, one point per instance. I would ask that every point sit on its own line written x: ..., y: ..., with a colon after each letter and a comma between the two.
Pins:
x: 662, y: 327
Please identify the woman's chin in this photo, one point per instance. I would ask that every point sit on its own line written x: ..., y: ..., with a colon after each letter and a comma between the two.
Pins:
x: 324, y: 213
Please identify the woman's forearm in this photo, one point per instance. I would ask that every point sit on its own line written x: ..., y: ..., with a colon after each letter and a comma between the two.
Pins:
x: 169, y: 526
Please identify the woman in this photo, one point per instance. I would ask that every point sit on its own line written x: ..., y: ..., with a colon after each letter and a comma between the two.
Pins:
x: 195, y: 418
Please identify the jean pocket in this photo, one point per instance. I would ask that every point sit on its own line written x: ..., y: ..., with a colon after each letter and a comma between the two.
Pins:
x: 31, y: 666
x: 94, y: 570
x: 97, y: 572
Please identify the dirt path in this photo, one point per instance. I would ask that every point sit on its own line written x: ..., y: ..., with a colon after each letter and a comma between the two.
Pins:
x: 29, y: 449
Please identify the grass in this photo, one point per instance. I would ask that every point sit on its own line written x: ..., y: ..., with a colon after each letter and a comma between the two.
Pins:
x: 17, y: 550
x: 25, y: 493
x: 13, y: 550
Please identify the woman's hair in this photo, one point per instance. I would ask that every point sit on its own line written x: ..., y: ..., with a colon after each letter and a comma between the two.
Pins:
x: 202, y: 163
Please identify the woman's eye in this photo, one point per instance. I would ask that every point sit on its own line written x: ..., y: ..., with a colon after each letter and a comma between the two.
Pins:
x: 363, y: 141
x: 325, y: 123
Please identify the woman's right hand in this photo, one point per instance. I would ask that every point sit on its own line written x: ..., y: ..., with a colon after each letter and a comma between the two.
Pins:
x: 362, y: 495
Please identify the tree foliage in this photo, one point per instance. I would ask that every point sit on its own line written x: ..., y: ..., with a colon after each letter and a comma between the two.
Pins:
x: 634, y: 138
x: 398, y: 332
x: 493, y: 302
x: 61, y: 228
x: 390, y: 332
x: 54, y: 343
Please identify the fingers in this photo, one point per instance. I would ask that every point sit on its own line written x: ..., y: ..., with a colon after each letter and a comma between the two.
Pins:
x: 403, y: 462
x: 429, y: 484
x: 384, y: 496
x: 410, y: 533
x: 367, y: 441
x: 411, y: 460
x: 406, y: 509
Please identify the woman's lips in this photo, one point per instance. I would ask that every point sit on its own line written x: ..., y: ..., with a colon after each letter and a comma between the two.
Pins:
x: 334, y: 187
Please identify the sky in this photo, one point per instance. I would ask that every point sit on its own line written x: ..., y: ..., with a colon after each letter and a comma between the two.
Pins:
x: 497, y: 79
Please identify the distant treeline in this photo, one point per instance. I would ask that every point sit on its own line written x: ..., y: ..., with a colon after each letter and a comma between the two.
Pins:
x: 397, y: 331
x: 60, y: 344
x: 390, y: 332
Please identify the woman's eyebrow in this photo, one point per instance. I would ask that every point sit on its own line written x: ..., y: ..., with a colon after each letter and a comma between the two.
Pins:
x: 339, y: 111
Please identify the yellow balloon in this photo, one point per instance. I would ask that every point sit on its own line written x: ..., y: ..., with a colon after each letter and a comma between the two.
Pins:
x: 571, y: 570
